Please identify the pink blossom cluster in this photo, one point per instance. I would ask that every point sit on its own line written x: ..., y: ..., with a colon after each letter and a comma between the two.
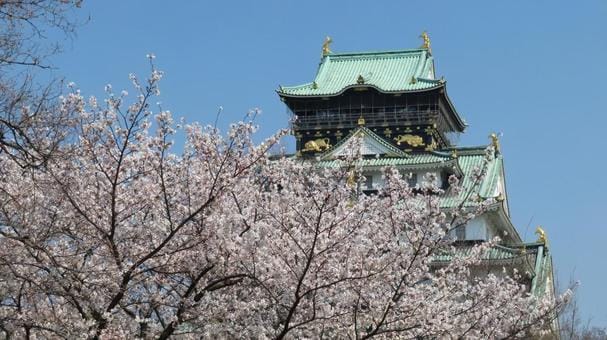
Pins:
x: 122, y: 236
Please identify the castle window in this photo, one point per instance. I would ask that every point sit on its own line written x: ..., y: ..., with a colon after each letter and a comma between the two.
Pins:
x: 367, y: 187
x: 412, y: 179
x: 460, y: 232
x: 368, y: 182
x: 445, y: 180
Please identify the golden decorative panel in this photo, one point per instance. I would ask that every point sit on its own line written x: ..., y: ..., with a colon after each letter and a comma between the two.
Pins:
x: 317, y: 145
x: 413, y: 140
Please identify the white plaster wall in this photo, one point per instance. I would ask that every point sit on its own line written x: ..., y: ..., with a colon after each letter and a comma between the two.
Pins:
x: 476, y: 229
x: 378, y: 181
x: 479, y: 228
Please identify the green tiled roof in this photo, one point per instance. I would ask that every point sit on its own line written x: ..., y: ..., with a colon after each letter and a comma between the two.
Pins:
x: 468, y: 163
x: 468, y: 159
x: 533, y: 258
x: 389, y: 72
x: 495, y: 253
x: 429, y: 161
x: 543, y: 274
x: 490, y: 181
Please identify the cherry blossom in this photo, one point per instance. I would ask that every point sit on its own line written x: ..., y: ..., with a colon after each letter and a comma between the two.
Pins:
x: 128, y: 236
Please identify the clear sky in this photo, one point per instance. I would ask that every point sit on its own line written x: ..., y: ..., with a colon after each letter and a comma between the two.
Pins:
x: 535, y: 71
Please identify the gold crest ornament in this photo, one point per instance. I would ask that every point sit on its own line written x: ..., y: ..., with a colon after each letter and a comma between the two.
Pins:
x: 351, y: 180
x: 325, y: 46
x: 495, y: 142
x: 426, y: 39
x: 412, y: 140
x: 541, y: 235
x: 317, y: 145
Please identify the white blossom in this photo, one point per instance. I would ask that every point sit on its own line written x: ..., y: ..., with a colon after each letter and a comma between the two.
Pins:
x: 125, y: 235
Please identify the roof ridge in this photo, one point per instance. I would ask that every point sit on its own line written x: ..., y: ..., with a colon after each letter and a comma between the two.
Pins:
x: 385, y: 52
x: 430, y: 80
x: 505, y: 247
x: 480, y: 148
x: 441, y: 153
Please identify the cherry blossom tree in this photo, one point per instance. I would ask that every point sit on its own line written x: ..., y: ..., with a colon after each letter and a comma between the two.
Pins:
x: 128, y: 236
x: 31, y: 126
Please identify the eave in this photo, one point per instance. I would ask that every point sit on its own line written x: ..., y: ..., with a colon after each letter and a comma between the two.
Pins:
x: 440, y: 83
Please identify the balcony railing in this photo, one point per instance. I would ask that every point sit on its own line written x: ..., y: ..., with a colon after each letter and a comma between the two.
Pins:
x: 375, y: 117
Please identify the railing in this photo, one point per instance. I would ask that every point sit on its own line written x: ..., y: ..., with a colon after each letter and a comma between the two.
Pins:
x: 348, y: 118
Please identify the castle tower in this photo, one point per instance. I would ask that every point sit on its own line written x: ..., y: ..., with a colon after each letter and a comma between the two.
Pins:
x: 393, y: 93
x: 402, y: 117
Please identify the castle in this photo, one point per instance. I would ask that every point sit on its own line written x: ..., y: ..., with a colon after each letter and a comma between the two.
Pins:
x: 392, y: 103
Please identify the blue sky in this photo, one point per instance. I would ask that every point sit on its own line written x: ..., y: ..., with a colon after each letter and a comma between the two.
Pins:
x: 532, y: 70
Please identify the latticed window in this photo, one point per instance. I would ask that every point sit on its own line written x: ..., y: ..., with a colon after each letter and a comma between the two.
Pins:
x: 411, y: 179
x: 367, y: 187
x: 369, y: 182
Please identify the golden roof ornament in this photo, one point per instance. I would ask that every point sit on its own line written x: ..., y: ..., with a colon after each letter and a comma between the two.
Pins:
x: 351, y: 180
x: 361, y: 121
x: 317, y: 145
x: 426, y: 39
x: 325, y: 46
x: 541, y: 235
x: 495, y: 142
x: 412, y: 140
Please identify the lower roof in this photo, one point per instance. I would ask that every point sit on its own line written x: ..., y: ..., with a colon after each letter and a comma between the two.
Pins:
x: 532, y: 258
x: 460, y: 161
